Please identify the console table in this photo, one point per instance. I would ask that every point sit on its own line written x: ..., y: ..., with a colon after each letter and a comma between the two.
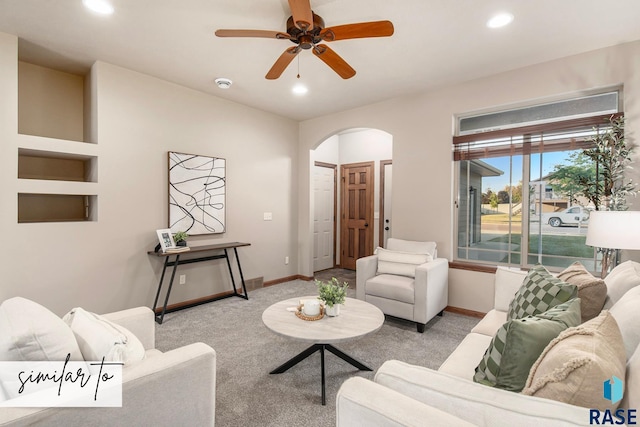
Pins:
x: 178, y: 261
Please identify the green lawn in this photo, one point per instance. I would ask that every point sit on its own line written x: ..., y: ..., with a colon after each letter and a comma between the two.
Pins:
x: 571, y: 246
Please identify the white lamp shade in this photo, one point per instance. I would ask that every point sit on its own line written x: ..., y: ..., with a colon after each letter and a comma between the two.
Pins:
x: 614, y: 230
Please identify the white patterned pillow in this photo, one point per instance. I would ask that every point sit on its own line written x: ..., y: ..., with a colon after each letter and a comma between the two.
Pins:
x: 99, y: 337
x: 400, y: 263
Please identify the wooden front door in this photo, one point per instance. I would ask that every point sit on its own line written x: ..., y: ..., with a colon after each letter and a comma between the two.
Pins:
x: 356, y: 229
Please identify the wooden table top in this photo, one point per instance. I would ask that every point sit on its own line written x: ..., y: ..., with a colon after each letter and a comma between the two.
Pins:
x: 202, y: 248
x: 357, y: 319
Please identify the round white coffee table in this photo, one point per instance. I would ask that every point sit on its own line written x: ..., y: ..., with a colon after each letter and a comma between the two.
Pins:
x: 356, y: 320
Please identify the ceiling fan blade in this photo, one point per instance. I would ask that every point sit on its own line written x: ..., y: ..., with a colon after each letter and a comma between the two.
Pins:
x: 282, y: 62
x: 333, y: 60
x: 253, y: 33
x: 357, y: 31
x: 302, y: 15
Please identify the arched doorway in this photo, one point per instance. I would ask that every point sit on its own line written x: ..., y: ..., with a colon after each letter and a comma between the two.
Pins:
x: 329, y: 160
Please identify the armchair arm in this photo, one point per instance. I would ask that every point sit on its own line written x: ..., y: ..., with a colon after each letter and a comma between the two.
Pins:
x: 431, y: 289
x: 366, y: 268
x: 163, y: 389
x: 361, y: 402
x: 477, y: 403
x: 140, y: 321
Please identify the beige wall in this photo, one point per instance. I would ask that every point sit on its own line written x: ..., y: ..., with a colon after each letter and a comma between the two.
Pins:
x: 421, y: 125
x: 137, y: 119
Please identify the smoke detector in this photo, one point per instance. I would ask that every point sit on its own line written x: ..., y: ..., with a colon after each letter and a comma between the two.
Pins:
x: 223, y: 83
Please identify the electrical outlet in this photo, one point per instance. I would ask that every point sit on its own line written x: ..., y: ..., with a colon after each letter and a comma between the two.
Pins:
x: 183, y: 279
x: 286, y: 260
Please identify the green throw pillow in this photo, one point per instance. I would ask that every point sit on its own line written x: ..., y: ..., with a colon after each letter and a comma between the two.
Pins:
x: 539, y: 292
x: 518, y: 344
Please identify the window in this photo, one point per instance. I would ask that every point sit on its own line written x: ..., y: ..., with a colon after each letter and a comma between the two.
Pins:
x: 518, y: 202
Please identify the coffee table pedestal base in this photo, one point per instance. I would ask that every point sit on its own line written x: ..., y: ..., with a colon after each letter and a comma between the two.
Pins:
x: 321, y: 348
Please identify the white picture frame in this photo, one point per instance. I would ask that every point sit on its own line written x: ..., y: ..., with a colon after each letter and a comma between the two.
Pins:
x: 166, y: 239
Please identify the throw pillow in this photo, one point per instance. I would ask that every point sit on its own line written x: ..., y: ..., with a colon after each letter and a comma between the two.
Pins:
x: 591, y: 290
x: 518, y: 344
x: 574, y: 366
x: 627, y: 314
x: 622, y: 278
x: 400, y: 263
x: 30, y: 332
x: 539, y: 292
x: 99, y: 337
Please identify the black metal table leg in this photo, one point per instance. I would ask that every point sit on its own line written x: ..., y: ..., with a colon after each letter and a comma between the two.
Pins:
x: 321, y: 348
x: 244, y: 287
x: 166, y: 299
x: 164, y: 269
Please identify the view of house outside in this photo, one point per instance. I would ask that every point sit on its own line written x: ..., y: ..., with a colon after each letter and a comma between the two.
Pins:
x: 494, y: 224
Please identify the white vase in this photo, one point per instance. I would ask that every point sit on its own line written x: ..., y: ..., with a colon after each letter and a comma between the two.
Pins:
x: 332, y: 311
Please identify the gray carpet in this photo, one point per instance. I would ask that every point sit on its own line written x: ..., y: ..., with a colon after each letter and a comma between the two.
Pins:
x: 247, y: 395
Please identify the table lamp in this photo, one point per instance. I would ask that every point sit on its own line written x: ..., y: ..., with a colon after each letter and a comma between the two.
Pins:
x: 611, y: 231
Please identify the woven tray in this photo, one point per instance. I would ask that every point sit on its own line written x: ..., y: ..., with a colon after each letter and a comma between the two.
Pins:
x: 303, y: 316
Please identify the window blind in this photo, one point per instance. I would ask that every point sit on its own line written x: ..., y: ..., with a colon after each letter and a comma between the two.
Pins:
x: 562, y: 135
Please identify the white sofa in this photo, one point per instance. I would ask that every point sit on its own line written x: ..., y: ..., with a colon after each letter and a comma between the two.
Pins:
x: 416, y: 292
x: 172, y: 388
x: 408, y: 395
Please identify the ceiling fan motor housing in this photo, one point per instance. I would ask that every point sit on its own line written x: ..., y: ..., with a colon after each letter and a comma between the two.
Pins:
x: 306, y: 39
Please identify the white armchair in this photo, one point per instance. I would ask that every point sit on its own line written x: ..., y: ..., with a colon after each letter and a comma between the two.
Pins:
x: 402, y: 284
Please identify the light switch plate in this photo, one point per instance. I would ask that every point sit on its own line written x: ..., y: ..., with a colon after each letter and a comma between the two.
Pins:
x: 268, y: 216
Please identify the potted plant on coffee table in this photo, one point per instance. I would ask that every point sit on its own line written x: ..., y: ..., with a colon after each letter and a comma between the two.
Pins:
x: 333, y: 294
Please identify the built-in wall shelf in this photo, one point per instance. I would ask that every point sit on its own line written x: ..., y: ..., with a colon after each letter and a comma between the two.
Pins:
x: 56, y: 207
x: 57, y: 160
x: 47, y: 165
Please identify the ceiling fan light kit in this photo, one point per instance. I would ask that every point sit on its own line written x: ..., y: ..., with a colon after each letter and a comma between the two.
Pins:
x: 307, y: 31
x: 102, y: 7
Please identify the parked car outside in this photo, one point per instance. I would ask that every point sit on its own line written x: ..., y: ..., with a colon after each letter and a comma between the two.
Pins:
x: 575, y: 215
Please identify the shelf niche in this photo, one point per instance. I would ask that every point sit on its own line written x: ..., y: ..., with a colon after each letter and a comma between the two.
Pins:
x: 56, y: 208
x: 51, y: 103
x: 47, y: 165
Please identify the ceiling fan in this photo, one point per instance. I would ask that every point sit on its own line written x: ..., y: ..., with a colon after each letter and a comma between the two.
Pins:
x: 307, y: 31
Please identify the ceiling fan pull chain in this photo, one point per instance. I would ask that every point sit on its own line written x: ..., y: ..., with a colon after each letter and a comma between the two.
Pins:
x: 298, y: 67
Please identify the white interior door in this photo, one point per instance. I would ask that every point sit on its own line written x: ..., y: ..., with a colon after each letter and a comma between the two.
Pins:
x: 323, y: 217
x: 386, y: 215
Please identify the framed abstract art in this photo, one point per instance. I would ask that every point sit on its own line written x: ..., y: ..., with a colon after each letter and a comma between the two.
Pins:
x: 197, y: 194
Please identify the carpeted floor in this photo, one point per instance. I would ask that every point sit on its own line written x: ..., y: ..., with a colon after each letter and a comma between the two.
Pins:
x: 247, y: 395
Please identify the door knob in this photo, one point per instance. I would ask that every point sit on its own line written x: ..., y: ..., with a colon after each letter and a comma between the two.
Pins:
x: 366, y: 224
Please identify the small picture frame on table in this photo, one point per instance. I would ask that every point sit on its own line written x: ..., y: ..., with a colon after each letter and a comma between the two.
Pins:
x: 166, y: 239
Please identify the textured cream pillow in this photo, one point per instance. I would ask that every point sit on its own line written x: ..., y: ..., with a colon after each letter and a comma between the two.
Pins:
x: 30, y: 332
x: 99, y: 337
x: 627, y: 314
x: 574, y: 366
x: 591, y: 290
x: 400, y: 263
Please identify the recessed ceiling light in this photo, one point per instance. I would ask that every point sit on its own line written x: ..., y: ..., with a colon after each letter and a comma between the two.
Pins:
x: 102, y: 7
x: 300, y: 89
x: 500, y: 20
x: 223, y: 83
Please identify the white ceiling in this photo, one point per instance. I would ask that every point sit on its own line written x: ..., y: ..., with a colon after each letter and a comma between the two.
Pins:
x: 436, y: 43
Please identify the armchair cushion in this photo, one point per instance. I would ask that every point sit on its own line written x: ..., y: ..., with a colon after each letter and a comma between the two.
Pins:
x: 29, y: 331
x: 400, y: 263
x: 99, y: 337
x: 518, y: 344
x: 539, y: 292
x: 398, y: 288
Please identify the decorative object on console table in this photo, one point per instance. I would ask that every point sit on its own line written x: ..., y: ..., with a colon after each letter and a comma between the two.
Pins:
x: 197, y: 193
x: 610, y: 231
x: 180, y: 238
x: 166, y: 239
x: 333, y: 294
